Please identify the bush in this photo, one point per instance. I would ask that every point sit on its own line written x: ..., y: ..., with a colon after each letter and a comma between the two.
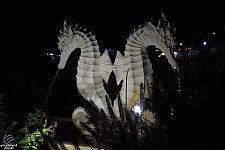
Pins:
x: 130, y: 131
x: 193, y: 111
x: 36, y: 131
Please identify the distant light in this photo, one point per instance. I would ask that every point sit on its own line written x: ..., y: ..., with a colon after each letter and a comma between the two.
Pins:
x: 204, y: 43
x: 109, y: 49
x: 51, y: 54
x: 162, y: 54
x: 214, y: 32
x: 175, y: 54
x: 137, y: 109
x: 181, y: 44
x: 172, y: 111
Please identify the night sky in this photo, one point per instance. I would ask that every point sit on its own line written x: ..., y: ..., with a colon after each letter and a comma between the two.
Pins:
x: 36, y: 24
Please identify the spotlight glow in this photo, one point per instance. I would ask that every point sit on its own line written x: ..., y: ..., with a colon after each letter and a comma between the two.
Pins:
x: 137, y: 109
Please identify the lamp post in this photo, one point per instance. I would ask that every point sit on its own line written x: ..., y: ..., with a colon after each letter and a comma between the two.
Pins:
x: 126, y: 86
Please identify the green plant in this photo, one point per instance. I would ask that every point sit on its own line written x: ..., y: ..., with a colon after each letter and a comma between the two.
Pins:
x: 192, y: 112
x: 130, y: 131
x: 36, y: 131
x: 3, y: 116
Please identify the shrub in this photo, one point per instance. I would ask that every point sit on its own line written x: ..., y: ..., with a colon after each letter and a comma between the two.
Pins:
x: 36, y: 131
x: 130, y: 131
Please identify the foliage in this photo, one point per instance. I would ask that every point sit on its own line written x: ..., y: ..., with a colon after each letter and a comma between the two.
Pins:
x: 36, y: 131
x: 130, y: 131
x: 2, y: 116
x: 192, y: 111
x: 3, y: 129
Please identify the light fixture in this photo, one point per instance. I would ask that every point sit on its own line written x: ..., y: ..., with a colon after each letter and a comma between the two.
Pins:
x: 137, y: 109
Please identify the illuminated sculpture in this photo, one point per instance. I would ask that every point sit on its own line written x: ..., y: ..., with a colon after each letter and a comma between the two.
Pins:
x: 89, y: 77
x: 133, y: 68
x: 81, y: 116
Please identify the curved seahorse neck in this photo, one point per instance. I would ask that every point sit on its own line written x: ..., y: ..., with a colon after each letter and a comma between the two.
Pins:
x: 89, y: 79
x: 137, y: 59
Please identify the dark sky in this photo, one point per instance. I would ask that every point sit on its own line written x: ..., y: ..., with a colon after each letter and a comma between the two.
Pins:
x: 30, y: 23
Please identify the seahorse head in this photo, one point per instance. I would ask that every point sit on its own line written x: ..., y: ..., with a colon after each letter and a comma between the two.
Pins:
x: 67, y: 43
x: 166, y: 39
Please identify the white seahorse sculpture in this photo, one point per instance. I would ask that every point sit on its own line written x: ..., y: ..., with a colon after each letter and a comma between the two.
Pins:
x: 89, y: 77
x: 134, y: 67
x: 80, y: 116
x: 137, y: 60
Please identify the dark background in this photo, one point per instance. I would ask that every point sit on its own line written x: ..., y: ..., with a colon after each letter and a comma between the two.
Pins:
x: 36, y: 24
x: 29, y: 29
